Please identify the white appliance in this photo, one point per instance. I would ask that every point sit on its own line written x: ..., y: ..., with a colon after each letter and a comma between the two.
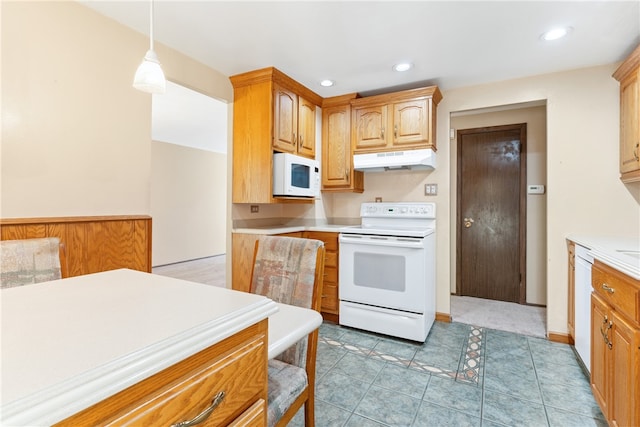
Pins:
x: 582, y: 307
x: 295, y: 176
x: 387, y: 270
x: 393, y: 160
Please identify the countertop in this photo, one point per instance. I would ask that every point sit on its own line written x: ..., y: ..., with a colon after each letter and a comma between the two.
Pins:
x: 281, y: 229
x: 70, y: 343
x: 621, y: 253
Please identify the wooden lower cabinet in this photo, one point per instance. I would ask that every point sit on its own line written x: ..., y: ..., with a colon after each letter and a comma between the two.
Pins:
x: 615, y: 345
x: 330, y: 305
x: 236, y: 366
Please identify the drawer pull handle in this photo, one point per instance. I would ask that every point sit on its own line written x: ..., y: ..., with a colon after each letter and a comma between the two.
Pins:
x: 608, y: 288
x: 217, y: 400
x: 605, y: 333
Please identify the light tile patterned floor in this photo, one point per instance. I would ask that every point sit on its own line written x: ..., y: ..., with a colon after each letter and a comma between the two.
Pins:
x: 461, y: 376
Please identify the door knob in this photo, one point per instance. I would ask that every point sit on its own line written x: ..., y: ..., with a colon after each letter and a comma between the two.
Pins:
x: 468, y: 222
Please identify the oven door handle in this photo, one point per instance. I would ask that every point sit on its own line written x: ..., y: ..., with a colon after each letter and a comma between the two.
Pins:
x: 396, y: 242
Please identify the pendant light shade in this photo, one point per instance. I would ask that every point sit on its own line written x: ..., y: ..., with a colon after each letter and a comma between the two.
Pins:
x: 149, y: 76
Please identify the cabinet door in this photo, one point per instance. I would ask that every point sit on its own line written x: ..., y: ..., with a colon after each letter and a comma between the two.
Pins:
x: 336, y: 147
x: 625, y: 360
x: 599, y: 352
x: 285, y: 118
x: 369, y: 128
x: 629, y: 124
x: 411, y: 123
x: 306, y: 128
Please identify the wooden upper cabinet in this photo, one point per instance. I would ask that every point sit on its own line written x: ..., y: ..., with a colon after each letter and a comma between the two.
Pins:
x: 295, y: 123
x: 285, y: 129
x: 370, y: 127
x: 337, y: 157
x: 409, y: 123
x: 306, y: 128
x: 395, y: 121
x: 271, y: 112
x: 628, y: 74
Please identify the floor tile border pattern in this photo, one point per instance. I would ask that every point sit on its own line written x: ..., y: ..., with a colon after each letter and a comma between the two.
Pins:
x: 469, y: 371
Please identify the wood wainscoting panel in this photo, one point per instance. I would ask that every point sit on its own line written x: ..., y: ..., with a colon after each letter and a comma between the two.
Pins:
x: 92, y: 243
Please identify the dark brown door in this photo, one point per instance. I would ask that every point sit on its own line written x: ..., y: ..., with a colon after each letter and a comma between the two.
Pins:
x: 491, y: 213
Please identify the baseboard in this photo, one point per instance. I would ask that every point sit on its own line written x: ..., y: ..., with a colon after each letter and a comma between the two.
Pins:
x: 443, y: 317
x: 561, y: 338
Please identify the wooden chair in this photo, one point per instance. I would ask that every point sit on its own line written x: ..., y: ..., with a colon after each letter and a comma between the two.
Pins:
x: 290, y: 270
x: 24, y: 262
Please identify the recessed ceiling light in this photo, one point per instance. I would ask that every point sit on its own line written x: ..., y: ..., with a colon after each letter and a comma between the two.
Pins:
x: 403, y: 66
x: 327, y: 83
x: 556, y: 33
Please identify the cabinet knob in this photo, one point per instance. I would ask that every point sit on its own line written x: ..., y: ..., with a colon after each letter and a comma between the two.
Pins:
x: 395, y: 131
x: 382, y: 133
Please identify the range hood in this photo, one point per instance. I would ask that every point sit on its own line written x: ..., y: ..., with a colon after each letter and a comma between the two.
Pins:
x: 395, y: 160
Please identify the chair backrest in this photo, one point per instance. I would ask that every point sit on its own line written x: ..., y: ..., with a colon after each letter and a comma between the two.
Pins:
x: 29, y: 261
x: 289, y: 270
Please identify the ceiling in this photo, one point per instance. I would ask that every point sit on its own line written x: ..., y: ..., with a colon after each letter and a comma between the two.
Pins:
x: 356, y: 43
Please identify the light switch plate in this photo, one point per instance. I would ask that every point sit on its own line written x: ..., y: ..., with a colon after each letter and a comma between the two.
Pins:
x: 431, y: 189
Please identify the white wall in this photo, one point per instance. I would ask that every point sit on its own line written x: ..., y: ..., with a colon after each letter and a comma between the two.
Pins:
x: 76, y: 137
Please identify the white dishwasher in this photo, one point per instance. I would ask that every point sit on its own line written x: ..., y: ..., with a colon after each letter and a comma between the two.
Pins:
x: 583, y: 290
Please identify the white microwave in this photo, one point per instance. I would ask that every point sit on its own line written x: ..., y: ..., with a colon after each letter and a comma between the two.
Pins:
x: 295, y: 176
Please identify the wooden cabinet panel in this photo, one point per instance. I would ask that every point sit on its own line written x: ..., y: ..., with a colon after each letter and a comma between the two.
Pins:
x: 410, y: 123
x: 337, y: 155
x: 306, y: 128
x: 599, y: 324
x: 395, y: 121
x: 624, y: 409
x: 237, y: 366
x: 370, y: 127
x: 242, y: 250
x: 615, y: 346
x: 255, y: 416
x: 330, y: 302
x: 92, y: 244
x: 628, y: 74
x: 617, y: 290
x: 285, y: 123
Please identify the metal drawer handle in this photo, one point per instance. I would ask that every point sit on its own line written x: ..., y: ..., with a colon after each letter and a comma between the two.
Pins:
x: 217, y: 400
x: 608, y: 288
x: 605, y: 333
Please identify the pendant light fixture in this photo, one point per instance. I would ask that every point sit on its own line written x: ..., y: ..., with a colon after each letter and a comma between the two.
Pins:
x: 149, y: 76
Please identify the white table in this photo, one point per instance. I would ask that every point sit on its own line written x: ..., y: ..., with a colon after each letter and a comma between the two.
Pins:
x: 67, y: 344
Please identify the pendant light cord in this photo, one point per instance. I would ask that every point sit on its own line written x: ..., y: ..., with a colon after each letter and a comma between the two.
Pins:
x: 151, y: 26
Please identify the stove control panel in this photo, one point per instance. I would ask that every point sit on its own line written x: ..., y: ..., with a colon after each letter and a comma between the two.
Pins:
x: 398, y: 210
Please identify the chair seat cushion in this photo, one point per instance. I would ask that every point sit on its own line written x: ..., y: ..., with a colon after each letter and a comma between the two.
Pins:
x: 286, y: 382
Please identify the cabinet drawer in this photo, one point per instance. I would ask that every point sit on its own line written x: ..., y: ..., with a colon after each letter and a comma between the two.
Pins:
x: 330, y: 239
x: 617, y: 289
x: 237, y: 374
x: 330, y: 259
x: 331, y: 274
x: 236, y: 365
x: 329, y: 297
x: 255, y: 416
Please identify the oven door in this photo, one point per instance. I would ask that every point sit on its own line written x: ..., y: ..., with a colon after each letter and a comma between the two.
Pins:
x: 384, y: 271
